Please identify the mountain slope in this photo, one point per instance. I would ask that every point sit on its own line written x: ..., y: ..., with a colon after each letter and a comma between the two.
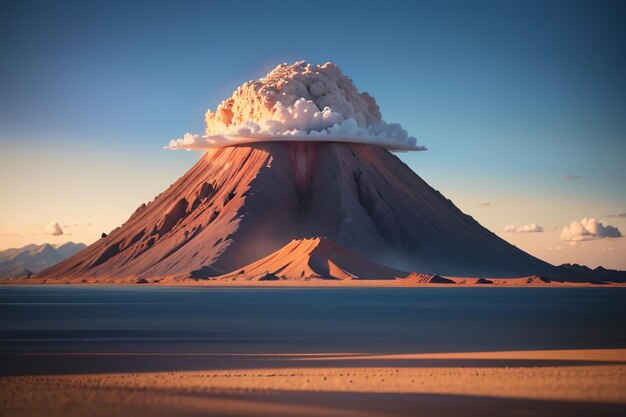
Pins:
x: 241, y: 203
x: 304, y: 259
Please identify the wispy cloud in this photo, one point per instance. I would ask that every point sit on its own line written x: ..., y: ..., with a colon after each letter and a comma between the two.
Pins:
x: 69, y: 226
x: 486, y: 204
x: 610, y: 249
x: 617, y: 215
x: 571, y: 177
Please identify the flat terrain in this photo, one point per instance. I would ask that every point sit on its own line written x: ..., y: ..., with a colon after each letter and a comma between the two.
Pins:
x: 76, y: 350
x: 533, y: 281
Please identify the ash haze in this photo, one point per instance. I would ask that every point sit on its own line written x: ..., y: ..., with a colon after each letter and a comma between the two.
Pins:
x: 90, y: 94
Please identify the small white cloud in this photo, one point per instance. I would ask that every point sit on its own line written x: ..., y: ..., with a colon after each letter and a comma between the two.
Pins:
x: 53, y: 228
x: 527, y: 228
x: 588, y: 229
x: 530, y: 228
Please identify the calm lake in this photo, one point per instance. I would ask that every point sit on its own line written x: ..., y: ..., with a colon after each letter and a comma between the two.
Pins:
x: 308, y: 320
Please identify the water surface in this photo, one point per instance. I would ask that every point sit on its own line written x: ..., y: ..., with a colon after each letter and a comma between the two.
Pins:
x: 274, y: 320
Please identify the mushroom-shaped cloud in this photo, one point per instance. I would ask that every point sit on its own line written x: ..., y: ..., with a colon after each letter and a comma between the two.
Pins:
x: 298, y: 102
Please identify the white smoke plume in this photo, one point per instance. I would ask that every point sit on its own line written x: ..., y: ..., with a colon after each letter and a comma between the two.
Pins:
x: 527, y: 228
x: 53, y: 228
x: 298, y: 102
x: 588, y: 229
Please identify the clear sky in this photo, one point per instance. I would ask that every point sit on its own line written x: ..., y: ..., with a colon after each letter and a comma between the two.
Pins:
x: 510, y: 98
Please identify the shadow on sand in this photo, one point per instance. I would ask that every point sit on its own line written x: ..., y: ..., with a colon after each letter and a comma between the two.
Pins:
x: 92, y: 363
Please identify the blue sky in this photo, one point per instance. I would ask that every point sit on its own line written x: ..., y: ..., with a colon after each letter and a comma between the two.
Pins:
x: 509, y: 97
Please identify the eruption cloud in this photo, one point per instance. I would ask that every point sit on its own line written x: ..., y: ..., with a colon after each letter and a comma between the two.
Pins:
x: 298, y: 102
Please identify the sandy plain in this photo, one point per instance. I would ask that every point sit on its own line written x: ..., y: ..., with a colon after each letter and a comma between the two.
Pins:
x: 553, y: 382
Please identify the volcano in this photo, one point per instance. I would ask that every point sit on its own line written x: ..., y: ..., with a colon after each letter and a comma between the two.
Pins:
x: 298, y: 181
x: 241, y: 203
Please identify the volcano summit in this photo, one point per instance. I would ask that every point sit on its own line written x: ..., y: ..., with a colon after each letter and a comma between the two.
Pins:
x: 298, y: 182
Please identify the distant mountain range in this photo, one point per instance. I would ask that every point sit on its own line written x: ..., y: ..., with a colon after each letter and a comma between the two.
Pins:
x: 598, y: 274
x: 32, y: 258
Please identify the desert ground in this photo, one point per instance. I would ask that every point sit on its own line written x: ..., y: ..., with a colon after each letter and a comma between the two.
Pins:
x: 572, y: 382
